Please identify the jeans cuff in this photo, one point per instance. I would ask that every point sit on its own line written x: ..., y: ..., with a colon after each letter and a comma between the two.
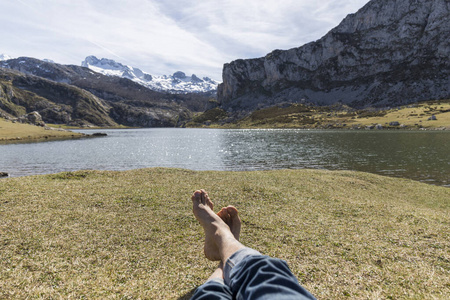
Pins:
x: 218, y: 280
x: 234, y: 259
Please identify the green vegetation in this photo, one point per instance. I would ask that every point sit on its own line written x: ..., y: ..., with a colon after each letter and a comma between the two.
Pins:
x: 10, y: 131
x: 132, y: 235
x: 61, y: 103
x: 208, y: 117
x: 414, y: 116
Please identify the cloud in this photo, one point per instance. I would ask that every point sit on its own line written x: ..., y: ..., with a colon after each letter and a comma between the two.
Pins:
x: 164, y: 36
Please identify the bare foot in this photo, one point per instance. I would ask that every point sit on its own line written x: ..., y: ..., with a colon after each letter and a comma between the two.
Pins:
x: 211, y: 223
x: 230, y: 216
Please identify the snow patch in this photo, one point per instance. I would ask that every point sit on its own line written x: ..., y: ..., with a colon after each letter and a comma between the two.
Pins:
x: 4, y: 57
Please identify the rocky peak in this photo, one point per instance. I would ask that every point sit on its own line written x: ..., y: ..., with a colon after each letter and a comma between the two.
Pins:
x: 390, y: 52
x: 103, y: 63
x: 92, y: 60
x: 179, y: 75
x: 42, y: 68
x: 195, y: 79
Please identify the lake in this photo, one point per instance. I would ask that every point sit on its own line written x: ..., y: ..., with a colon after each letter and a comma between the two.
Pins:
x: 419, y: 155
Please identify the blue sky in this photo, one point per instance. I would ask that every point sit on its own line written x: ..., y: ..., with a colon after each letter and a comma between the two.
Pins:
x: 164, y: 36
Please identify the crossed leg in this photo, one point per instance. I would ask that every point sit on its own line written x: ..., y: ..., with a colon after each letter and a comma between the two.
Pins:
x: 221, y: 230
x: 260, y: 275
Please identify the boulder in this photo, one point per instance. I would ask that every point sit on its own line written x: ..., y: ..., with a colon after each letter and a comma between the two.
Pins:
x: 432, y: 118
x: 3, y: 174
x: 99, y: 134
x: 33, y: 118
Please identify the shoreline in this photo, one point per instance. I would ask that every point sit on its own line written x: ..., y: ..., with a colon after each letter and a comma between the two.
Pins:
x: 440, y: 128
x: 13, y: 132
x: 39, y: 139
x: 49, y: 138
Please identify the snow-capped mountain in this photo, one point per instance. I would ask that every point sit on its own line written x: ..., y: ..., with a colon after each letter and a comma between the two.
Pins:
x: 4, y: 57
x: 176, y: 83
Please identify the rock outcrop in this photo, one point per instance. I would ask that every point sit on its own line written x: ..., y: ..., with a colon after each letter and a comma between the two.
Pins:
x: 389, y: 53
x: 33, y: 118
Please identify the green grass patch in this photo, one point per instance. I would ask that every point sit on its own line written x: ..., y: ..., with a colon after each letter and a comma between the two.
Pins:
x: 10, y: 131
x: 207, y: 117
x: 132, y: 235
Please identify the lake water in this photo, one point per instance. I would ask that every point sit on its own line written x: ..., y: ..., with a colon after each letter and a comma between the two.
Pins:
x: 417, y: 155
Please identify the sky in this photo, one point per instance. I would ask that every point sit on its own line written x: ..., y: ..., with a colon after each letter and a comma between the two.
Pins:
x: 161, y: 37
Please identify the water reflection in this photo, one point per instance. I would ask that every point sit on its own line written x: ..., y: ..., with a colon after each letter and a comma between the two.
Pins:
x: 417, y: 155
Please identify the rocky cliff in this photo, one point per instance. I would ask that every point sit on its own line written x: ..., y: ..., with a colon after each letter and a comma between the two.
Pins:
x: 390, y: 52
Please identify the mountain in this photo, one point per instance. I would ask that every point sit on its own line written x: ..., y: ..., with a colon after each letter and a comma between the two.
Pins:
x: 176, y: 83
x: 57, y: 103
x: 4, y: 57
x: 70, y: 94
x: 389, y: 53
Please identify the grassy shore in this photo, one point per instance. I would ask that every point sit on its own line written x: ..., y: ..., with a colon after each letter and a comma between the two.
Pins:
x: 10, y: 131
x: 414, y: 116
x: 132, y: 235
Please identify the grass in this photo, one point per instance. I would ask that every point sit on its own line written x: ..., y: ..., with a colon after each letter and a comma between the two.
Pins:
x: 414, y: 116
x: 132, y: 235
x: 209, y: 116
x: 68, y: 127
x: 10, y: 131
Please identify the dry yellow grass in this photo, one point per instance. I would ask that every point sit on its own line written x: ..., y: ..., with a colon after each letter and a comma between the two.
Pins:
x: 415, y: 115
x: 131, y: 235
x: 18, y: 131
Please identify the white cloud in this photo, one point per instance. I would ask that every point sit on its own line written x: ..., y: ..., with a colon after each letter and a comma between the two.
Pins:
x: 163, y: 36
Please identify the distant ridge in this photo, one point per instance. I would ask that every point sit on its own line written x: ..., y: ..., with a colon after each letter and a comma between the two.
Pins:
x: 176, y: 83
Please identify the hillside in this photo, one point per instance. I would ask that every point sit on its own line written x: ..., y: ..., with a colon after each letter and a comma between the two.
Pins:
x: 389, y: 53
x: 56, y: 102
x: 67, y: 94
x: 421, y: 115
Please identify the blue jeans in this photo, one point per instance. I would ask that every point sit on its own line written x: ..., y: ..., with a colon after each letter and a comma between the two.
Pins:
x: 250, y: 275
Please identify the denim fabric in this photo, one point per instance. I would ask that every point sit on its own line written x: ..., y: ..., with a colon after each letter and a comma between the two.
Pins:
x: 250, y: 275
x: 213, y: 289
x: 236, y: 258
